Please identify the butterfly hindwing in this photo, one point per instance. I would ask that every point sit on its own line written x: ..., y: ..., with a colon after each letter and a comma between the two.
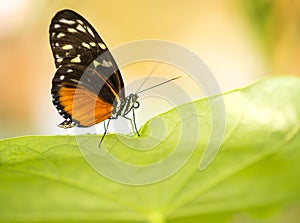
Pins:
x: 84, y: 63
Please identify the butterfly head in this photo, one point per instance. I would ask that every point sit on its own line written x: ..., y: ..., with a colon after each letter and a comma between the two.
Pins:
x: 126, y: 106
x: 133, y: 100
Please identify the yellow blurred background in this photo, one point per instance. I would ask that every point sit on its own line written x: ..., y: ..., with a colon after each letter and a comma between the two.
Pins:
x: 241, y: 41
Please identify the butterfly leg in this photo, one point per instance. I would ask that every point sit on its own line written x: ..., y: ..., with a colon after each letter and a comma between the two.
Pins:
x: 105, y: 131
x: 133, y: 118
x: 133, y: 123
x: 104, y: 125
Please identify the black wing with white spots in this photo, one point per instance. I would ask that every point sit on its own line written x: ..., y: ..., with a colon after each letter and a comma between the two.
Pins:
x: 78, y: 49
x: 74, y: 40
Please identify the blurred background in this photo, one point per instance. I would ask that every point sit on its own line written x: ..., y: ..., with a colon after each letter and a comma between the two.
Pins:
x: 240, y: 41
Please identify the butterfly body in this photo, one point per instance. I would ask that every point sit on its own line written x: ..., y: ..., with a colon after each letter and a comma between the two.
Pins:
x: 87, y: 87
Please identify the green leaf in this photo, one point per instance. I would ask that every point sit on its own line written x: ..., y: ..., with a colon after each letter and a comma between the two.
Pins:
x: 253, y: 178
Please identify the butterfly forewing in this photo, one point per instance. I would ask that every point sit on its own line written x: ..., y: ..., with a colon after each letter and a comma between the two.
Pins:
x: 84, y: 63
x: 73, y: 39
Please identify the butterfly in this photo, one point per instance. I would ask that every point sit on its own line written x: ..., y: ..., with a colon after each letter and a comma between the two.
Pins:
x: 87, y: 87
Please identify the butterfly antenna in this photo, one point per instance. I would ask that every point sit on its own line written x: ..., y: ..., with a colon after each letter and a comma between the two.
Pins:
x: 152, y: 71
x: 159, y: 84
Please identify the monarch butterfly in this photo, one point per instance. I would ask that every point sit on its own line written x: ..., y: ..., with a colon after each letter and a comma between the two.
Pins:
x: 87, y: 87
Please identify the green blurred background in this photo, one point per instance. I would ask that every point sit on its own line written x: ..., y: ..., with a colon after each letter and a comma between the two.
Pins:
x: 241, y: 41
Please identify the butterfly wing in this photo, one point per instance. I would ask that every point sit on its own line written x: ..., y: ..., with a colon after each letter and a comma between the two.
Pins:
x: 75, y: 99
x: 87, y: 73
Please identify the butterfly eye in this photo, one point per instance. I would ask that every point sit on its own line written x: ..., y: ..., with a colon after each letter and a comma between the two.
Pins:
x: 136, y: 104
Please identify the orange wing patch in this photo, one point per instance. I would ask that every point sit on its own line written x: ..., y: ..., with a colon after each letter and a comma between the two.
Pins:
x: 84, y: 106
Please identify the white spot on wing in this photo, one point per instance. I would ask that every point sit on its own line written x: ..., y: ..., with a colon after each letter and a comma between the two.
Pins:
x: 95, y: 63
x: 80, y: 28
x: 106, y: 63
x: 102, y: 46
x: 92, y: 44
x: 86, y: 45
x: 74, y: 80
x: 56, y: 44
x: 76, y: 59
x: 79, y: 21
x: 56, y: 26
x: 60, y: 35
x: 90, y: 32
x: 70, y: 22
x: 62, y: 77
x: 67, y: 47
x: 69, y: 70
x: 72, y: 30
x: 59, y: 60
